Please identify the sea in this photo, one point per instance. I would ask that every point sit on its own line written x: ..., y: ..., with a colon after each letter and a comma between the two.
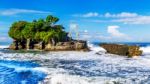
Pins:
x: 74, y: 67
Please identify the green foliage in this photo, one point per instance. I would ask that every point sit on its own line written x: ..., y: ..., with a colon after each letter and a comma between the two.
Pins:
x: 49, y: 36
x: 40, y: 35
x: 51, y: 20
x: 38, y: 30
x: 29, y: 31
x: 16, y: 28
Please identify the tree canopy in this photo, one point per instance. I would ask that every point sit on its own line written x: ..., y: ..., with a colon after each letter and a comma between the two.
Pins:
x: 38, y: 30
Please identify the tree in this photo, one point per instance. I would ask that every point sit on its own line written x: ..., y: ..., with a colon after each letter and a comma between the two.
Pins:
x: 39, y: 25
x: 51, y: 19
x: 41, y: 30
x: 15, y: 31
x: 29, y: 33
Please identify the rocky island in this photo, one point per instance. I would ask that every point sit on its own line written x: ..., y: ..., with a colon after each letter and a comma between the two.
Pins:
x: 124, y: 50
x: 43, y: 34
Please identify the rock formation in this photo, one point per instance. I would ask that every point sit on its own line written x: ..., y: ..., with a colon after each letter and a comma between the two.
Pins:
x: 124, y: 50
x: 43, y: 34
x: 60, y: 46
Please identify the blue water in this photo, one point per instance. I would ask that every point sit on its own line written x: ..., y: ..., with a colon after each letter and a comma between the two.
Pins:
x: 5, y: 43
x: 19, y: 72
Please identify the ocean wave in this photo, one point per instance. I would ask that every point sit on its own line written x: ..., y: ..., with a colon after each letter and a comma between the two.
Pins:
x: 95, y: 48
x: 146, y: 50
x: 4, y: 46
x: 71, y: 67
x: 19, y: 72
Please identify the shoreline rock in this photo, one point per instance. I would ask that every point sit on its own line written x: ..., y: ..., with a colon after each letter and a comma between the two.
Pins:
x: 60, y: 46
x: 124, y: 50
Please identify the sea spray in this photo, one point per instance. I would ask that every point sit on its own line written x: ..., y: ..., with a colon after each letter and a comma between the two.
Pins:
x: 19, y: 72
x: 146, y: 50
x: 68, y: 67
x: 95, y: 48
x: 4, y: 46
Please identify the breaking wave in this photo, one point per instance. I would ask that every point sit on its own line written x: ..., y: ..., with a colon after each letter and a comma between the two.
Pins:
x: 4, y: 46
x: 70, y: 67
x: 96, y: 48
x: 19, y: 72
x: 146, y: 50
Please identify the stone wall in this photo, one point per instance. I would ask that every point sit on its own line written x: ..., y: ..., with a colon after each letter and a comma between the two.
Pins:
x: 124, y: 50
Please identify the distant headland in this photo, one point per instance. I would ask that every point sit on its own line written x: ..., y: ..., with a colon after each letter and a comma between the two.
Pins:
x: 43, y: 34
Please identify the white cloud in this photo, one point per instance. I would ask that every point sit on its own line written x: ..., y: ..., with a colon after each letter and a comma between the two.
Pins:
x: 87, y: 15
x: 121, y: 15
x: 4, y: 39
x: 115, y: 33
x: 107, y: 15
x: 9, y: 12
x: 95, y: 20
x: 91, y: 14
x: 135, y: 20
x: 73, y: 26
x: 113, y: 30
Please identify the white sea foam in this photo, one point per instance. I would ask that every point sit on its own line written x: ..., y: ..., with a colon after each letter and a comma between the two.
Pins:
x: 146, y: 50
x: 96, y: 48
x: 87, y: 67
x: 4, y: 46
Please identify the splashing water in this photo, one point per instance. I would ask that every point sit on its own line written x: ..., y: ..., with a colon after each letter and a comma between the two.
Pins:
x: 14, y: 72
x: 80, y: 67
x: 146, y: 50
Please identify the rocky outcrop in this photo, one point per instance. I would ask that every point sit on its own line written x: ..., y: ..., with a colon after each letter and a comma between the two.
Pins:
x: 66, y: 46
x: 13, y: 46
x: 124, y: 50
x: 16, y: 45
x: 60, y: 46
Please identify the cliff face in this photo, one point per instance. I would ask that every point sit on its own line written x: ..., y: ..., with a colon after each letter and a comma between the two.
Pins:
x: 60, y: 46
x: 124, y: 50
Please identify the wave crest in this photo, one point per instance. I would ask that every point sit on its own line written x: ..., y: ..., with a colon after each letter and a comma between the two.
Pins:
x: 96, y: 48
x: 146, y: 50
x: 4, y: 46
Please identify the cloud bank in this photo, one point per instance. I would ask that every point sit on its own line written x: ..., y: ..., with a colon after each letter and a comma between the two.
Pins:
x: 113, y: 31
x: 9, y: 12
x: 123, y: 17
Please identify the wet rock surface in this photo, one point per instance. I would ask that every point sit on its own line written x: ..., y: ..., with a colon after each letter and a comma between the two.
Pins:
x: 60, y: 46
x: 124, y: 50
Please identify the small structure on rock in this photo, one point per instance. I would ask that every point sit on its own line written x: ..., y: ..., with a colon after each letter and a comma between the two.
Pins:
x: 124, y: 50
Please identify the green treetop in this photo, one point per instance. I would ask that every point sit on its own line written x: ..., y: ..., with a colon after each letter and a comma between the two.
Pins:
x: 38, y: 30
x: 15, y: 31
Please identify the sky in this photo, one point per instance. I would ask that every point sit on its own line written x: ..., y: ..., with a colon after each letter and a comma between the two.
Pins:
x: 95, y: 20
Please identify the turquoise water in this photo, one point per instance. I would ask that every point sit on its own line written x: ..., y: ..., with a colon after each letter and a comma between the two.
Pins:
x: 19, y: 72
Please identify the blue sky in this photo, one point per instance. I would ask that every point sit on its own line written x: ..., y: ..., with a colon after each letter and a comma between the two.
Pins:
x: 96, y: 20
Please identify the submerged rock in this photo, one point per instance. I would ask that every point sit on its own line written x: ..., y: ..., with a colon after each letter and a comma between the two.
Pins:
x: 124, y: 50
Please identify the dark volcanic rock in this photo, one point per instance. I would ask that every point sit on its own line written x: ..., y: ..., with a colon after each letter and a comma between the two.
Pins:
x: 124, y: 50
